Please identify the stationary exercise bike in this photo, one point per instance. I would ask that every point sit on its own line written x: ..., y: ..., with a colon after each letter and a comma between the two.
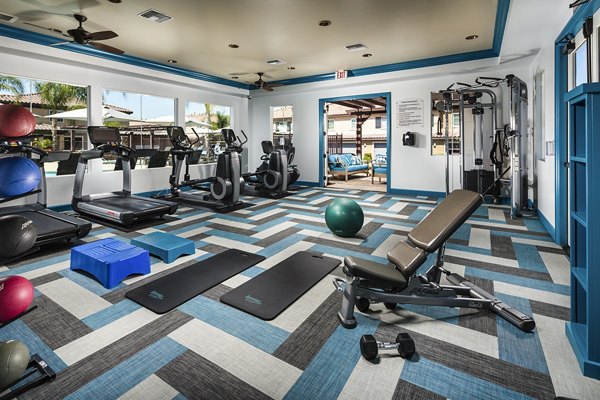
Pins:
x: 224, y: 188
x: 275, y: 174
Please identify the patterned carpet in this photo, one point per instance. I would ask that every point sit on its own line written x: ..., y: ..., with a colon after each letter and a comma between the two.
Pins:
x: 104, y: 346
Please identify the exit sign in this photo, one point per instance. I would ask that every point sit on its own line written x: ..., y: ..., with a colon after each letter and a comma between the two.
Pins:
x: 341, y: 74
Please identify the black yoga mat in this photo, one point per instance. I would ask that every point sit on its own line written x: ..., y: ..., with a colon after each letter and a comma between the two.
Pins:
x: 271, y: 292
x: 166, y: 293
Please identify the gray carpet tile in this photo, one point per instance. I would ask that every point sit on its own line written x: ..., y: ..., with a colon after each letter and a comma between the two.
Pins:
x: 370, y: 228
x: 482, y: 225
x: 480, y: 320
x: 306, y: 341
x: 266, y: 242
x: 45, y: 279
x: 199, y: 379
x: 502, y: 246
x: 408, y: 210
x: 185, y: 224
x: 216, y: 292
x: 231, y: 228
x: 340, y: 245
x: 553, y: 250
x: 406, y: 390
x: 82, y: 372
x: 549, y: 310
x: 53, y: 324
x: 306, y: 222
x: 523, y: 380
x: 525, y: 273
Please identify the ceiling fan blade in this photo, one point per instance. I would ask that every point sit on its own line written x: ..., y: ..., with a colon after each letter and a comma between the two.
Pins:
x: 267, y: 76
x: 240, y: 73
x: 106, y: 48
x: 45, y: 28
x: 275, y: 84
x: 102, y: 35
x: 59, y: 43
x: 267, y: 88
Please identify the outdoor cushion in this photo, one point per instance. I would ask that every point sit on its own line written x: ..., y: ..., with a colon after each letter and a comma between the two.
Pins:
x: 380, y: 170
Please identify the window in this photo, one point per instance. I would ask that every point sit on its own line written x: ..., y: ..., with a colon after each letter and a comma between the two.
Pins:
x: 330, y: 124
x: 353, y: 124
x: 380, y: 122
x: 142, y: 120
x: 60, y: 112
x: 538, y: 116
x: 580, y: 64
x: 282, y: 118
x: 206, y: 120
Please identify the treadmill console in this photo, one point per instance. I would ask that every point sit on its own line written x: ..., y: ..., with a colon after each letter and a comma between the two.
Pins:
x: 178, y: 137
x: 103, y: 134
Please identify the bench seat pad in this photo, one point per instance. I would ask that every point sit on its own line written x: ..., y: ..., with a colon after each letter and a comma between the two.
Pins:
x: 406, y: 258
x: 375, y: 272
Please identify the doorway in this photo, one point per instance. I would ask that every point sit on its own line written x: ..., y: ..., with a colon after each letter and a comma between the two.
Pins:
x: 355, y: 142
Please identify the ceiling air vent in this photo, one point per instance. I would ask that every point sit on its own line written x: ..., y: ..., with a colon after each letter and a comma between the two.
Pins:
x: 275, y: 62
x: 155, y: 16
x: 356, y: 47
x: 8, y: 18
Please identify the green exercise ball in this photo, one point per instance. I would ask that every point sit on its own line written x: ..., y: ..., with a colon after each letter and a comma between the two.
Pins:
x: 344, y: 217
x: 14, y: 357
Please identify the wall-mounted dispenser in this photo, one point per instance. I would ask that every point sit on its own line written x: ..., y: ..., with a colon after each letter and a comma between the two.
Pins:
x: 408, y: 139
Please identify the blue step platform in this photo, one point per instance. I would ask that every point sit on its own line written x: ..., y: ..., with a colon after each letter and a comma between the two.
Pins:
x: 110, y: 260
x: 165, y: 245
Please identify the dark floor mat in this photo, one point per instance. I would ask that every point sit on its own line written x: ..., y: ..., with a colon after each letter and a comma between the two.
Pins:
x: 166, y: 293
x: 271, y: 292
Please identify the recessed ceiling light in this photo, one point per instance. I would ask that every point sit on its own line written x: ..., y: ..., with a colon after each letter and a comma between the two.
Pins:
x: 234, y: 46
x: 290, y: 68
x: 234, y: 77
x: 367, y: 55
x: 471, y: 37
x: 325, y: 22
x: 172, y: 61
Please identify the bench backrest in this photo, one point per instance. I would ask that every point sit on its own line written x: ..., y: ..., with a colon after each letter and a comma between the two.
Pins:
x: 444, y: 220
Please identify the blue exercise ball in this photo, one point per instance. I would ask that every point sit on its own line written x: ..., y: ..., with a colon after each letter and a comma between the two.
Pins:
x: 344, y: 217
x: 18, y: 175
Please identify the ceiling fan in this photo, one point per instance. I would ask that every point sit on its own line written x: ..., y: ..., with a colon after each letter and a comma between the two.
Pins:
x: 265, y: 85
x: 81, y: 36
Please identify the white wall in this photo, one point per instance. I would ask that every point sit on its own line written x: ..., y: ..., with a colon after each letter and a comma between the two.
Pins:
x: 41, y: 62
x: 412, y: 168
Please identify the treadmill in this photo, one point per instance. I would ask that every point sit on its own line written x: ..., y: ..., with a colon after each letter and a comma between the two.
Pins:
x: 51, y: 226
x: 119, y: 207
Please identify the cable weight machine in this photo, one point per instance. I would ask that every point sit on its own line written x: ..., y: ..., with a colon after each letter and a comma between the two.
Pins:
x: 493, y: 156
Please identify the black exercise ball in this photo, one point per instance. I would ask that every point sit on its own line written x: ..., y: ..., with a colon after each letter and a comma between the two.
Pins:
x: 14, y: 357
x: 17, y: 235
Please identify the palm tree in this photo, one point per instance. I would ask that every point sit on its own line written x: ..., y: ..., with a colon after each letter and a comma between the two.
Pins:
x: 11, y: 84
x: 56, y: 96
x: 220, y: 121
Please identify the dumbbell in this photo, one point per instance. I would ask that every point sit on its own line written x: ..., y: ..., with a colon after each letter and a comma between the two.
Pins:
x: 369, y: 346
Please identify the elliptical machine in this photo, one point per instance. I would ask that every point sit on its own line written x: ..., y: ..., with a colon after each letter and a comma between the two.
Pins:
x: 225, y: 187
x: 274, y: 175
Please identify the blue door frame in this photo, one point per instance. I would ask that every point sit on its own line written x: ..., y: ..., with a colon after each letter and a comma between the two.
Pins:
x: 560, y: 118
x: 388, y: 104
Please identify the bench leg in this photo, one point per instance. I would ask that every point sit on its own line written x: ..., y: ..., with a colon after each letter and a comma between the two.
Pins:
x: 346, y: 313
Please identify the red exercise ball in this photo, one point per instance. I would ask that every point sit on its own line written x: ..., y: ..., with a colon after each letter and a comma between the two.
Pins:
x: 16, y: 294
x: 15, y: 121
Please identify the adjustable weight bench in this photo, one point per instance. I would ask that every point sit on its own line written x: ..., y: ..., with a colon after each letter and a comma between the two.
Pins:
x: 396, y: 283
